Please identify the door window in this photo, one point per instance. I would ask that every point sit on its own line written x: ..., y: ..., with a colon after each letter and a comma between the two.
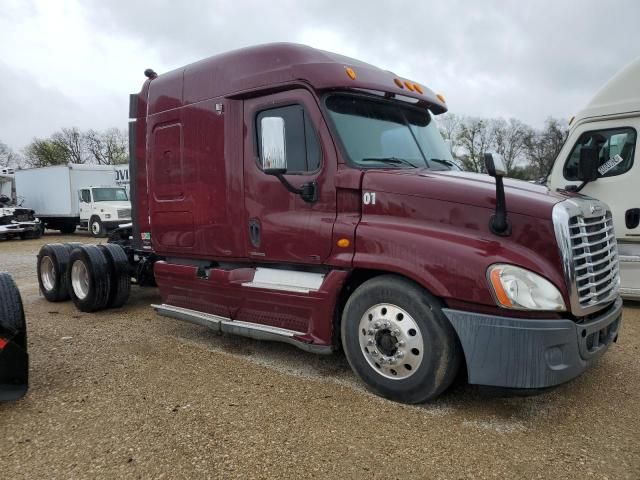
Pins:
x: 85, y: 196
x: 616, y: 147
x: 301, y: 142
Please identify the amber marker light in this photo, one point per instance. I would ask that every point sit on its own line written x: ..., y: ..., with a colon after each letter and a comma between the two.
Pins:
x: 409, y: 85
x: 398, y: 82
x: 351, y: 73
x: 343, y: 243
x: 418, y: 88
x: 440, y: 97
x: 501, y: 295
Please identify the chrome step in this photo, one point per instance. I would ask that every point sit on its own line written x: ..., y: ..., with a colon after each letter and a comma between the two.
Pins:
x: 238, y: 327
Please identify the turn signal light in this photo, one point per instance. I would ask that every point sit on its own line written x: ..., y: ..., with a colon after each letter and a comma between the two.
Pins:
x: 440, y: 97
x: 343, y: 243
x: 351, y: 73
x: 501, y: 295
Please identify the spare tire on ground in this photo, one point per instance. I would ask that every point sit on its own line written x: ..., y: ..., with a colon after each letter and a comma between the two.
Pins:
x: 14, y: 360
x: 53, y: 260
x: 89, y: 279
x: 119, y: 272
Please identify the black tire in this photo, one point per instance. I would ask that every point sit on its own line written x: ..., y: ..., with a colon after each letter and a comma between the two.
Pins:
x: 68, y: 228
x: 14, y: 359
x: 439, y: 359
x: 11, y: 310
x: 96, y: 228
x: 97, y: 281
x: 54, y: 286
x: 119, y: 272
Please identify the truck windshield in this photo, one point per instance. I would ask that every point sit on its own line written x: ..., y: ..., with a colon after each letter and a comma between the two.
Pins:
x: 110, y: 195
x: 385, y: 133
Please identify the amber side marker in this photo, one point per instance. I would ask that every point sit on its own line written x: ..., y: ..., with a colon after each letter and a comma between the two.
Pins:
x: 343, y: 243
x: 351, y: 73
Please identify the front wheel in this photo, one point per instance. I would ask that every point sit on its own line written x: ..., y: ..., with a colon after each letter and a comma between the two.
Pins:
x: 96, y: 227
x: 398, y: 341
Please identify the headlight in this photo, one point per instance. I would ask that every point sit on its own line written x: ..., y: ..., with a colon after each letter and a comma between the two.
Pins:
x: 519, y: 289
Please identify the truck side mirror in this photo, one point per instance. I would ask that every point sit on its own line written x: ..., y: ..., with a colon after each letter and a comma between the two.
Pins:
x: 273, y: 146
x: 589, y: 163
x: 274, y: 157
x: 498, y: 223
x: 494, y: 163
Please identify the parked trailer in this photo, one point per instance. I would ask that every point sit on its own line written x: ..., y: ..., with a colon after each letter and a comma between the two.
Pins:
x: 67, y: 196
x: 307, y: 197
x: 607, y: 128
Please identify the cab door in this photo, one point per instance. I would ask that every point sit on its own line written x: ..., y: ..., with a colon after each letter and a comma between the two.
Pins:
x: 281, y: 226
x: 85, y: 204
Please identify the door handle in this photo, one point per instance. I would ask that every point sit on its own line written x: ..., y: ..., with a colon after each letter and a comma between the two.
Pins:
x: 254, y: 232
x: 632, y: 218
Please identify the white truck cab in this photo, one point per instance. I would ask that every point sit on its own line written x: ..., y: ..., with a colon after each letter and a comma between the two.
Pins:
x: 103, y: 208
x: 610, y: 123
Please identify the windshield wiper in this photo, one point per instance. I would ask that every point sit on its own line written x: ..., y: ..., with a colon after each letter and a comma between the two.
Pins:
x: 394, y: 160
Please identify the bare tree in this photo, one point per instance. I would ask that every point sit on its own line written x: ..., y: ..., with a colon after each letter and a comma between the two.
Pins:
x: 542, y: 147
x: 510, y: 141
x: 8, y: 158
x: 449, y: 125
x: 108, y: 147
x: 71, y: 140
x: 476, y: 137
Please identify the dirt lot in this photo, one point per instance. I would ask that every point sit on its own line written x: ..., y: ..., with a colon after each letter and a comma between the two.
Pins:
x: 126, y: 393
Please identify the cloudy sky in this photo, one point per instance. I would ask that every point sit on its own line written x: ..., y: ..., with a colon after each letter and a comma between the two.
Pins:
x: 73, y: 63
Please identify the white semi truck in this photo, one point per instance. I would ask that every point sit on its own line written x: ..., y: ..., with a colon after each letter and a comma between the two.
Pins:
x: 67, y: 196
x: 608, y: 128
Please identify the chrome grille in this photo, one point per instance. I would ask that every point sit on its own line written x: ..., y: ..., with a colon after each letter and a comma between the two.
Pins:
x: 585, y: 234
x: 124, y: 213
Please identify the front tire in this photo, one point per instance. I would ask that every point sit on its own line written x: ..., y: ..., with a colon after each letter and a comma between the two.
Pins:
x: 96, y: 227
x: 398, y: 341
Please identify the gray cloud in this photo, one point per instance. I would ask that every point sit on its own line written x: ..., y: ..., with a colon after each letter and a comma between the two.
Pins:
x: 523, y: 59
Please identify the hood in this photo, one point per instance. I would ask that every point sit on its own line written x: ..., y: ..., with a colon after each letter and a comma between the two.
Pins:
x: 465, y: 188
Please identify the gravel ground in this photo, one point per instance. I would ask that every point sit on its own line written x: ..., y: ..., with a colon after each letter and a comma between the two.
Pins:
x: 126, y: 393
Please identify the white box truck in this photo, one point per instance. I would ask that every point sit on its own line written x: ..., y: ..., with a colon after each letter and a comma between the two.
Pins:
x: 608, y: 128
x: 67, y: 196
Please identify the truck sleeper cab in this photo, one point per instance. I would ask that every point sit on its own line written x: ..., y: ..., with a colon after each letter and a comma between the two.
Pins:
x: 287, y: 193
x: 609, y: 124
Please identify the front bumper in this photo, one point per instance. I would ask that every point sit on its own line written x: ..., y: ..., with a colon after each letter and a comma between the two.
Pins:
x: 19, y: 227
x: 113, y: 224
x: 525, y: 353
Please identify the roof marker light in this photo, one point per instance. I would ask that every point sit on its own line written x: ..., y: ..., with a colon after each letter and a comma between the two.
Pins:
x: 418, y: 88
x: 440, y: 97
x: 351, y: 73
x: 398, y: 82
x: 409, y: 85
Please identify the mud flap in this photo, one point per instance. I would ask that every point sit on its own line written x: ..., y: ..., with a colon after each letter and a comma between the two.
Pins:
x: 14, y: 368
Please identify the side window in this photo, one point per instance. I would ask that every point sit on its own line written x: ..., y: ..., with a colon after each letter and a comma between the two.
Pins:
x: 616, y: 147
x: 85, y: 196
x: 301, y: 142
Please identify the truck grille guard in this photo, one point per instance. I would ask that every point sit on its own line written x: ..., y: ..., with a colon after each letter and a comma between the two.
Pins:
x: 588, y: 249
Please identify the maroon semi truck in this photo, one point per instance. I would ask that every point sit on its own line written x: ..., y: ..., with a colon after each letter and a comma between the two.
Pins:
x: 287, y: 193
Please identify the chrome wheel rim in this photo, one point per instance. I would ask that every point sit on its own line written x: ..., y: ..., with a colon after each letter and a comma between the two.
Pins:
x: 47, y: 273
x: 391, y: 341
x: 80, y: 279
